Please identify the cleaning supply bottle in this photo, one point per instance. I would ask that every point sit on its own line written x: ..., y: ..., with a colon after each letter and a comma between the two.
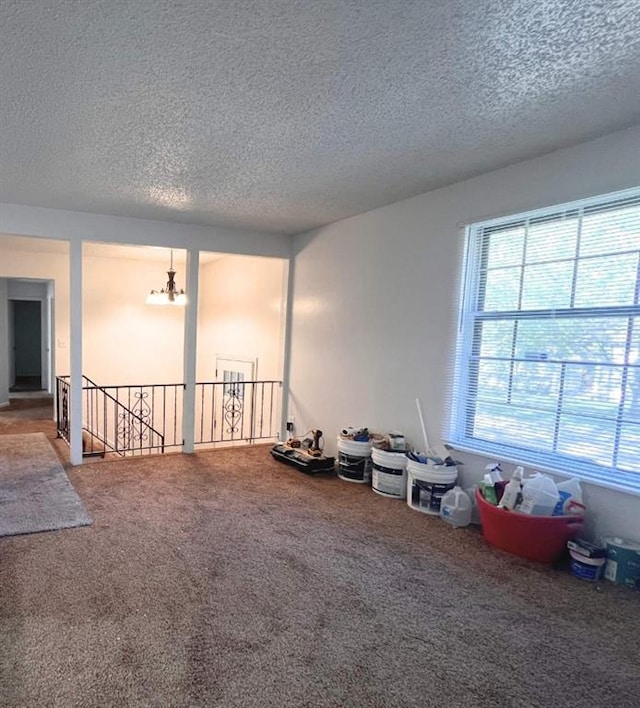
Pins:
x: 490, y: 483
x: 512, y: 494
x: 455, y: 507
x: 539, y: 495
x: 570, y: 495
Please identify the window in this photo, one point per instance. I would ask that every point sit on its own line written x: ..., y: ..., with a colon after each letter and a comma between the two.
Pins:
x: 547, y: 369
x: 233, y: 383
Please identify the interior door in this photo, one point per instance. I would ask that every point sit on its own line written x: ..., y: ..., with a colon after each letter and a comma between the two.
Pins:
x: 236, y: 421
x: 26, y: 326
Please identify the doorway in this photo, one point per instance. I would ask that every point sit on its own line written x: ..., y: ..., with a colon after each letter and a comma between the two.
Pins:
x: 26, y: 331
x: 237, y: 375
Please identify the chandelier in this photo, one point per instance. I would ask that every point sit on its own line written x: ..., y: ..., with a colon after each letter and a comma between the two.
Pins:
x: 170, y: 295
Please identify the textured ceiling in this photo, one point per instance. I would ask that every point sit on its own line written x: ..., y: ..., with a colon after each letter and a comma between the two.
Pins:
x: 281, y: 115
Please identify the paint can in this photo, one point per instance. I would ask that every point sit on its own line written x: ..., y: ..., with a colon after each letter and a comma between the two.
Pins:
x: 623, y: 562
x: 427, y: 484
x: 389, y: 474
x: 354, y: 461
x: 585, y: 567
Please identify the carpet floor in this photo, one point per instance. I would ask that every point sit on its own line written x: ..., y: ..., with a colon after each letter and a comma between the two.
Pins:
x: 227, y: 579
x: 35, y: 492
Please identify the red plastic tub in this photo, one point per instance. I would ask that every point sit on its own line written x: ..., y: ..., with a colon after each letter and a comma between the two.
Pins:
x: 538, y: 538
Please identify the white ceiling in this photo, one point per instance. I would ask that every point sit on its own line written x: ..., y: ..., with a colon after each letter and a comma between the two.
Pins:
x: 282, y: 115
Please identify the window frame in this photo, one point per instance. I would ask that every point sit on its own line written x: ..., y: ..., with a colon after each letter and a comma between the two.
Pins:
x: 463, y: 396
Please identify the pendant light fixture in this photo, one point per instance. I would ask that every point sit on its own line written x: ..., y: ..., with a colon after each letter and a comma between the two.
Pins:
x: 169, y: 295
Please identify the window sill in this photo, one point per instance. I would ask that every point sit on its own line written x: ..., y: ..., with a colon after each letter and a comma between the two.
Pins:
x: 623, y: 483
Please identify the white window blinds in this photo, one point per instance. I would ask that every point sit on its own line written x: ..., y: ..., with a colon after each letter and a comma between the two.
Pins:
x: 548, y: 363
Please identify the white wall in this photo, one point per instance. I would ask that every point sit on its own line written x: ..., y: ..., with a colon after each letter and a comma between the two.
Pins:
x: 33, y: 258
x: 124, y: 340
x: 127, y: 341
x: 241, y: 311
x: 376, y: 297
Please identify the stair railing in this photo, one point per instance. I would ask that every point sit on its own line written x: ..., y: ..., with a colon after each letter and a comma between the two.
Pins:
x: 147, y: 418
x: 108, y: 424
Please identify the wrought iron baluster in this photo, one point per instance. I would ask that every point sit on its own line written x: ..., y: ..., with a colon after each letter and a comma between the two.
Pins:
x: 262, y: 410
x: 175, y: 414
x: 214, y: 413
x: 233, y: 407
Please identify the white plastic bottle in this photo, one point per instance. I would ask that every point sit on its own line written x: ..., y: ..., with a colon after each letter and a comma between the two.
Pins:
x: 512, y: 490
x: 539, y: 495
x: 455, y: 507
x: 569, y: 491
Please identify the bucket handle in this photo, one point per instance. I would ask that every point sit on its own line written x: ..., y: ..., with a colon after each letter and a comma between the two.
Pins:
x: 345, y: 463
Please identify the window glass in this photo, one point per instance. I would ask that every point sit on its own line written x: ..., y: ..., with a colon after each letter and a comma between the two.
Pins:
x: 548, y: 360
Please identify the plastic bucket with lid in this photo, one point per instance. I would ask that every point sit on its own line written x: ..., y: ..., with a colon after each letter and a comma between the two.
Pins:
x: 427, y: 484
x: 389, y: 475
x: 354, y: 461
x: 586, y: 568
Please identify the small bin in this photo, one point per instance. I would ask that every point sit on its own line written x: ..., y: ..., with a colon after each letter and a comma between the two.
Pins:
x: 538, y: 538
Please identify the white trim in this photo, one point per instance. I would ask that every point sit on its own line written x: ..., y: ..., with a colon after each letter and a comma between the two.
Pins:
x: 594, y: 481
x: 75, y: 226
x: 253, y: 360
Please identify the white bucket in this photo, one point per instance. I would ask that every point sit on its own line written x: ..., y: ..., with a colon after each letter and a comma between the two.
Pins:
x: 427, y: 484
x: 354, y: 461
x: 389, y: 475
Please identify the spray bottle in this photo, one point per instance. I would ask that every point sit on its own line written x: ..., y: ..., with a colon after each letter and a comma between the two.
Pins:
x: 512, y: 494
x: 489, y: 483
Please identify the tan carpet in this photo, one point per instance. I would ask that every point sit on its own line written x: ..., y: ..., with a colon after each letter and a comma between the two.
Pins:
x: 35, y: 492
x: 226, y: 579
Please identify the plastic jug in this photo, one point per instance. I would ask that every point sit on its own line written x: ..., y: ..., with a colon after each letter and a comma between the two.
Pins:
x: 455, y: 507
x: 570, y: 497
x: 539, y: 495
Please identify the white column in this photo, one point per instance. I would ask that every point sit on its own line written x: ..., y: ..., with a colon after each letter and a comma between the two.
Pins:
x: 190, y: 350
x: 286, y: 362
x: 75, y: 344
